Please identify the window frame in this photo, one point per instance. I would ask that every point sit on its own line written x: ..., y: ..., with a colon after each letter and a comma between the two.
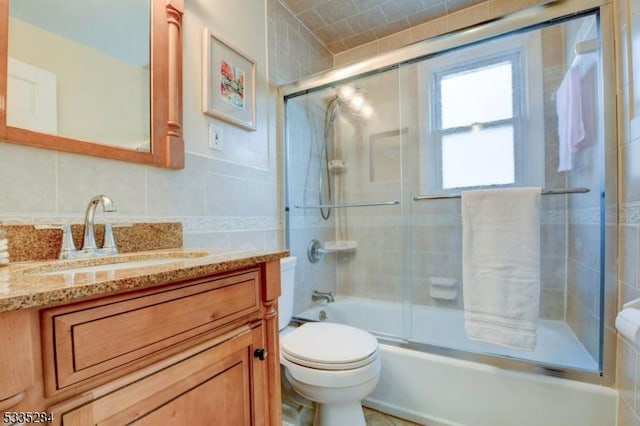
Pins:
x: 524, y: 52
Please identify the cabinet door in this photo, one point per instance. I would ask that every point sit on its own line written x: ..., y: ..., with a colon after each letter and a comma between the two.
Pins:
x: 220, y: 385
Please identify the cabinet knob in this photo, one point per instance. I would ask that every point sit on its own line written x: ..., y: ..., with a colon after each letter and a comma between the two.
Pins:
x: 260, y: 353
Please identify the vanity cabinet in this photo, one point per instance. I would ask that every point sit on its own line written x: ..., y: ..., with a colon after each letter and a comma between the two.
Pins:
x: 202, y: 351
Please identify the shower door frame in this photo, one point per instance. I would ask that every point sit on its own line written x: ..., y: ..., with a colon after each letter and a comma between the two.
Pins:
x: 482, y: 31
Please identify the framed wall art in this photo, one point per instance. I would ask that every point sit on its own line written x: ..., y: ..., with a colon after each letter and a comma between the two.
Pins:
x: 228, y: 83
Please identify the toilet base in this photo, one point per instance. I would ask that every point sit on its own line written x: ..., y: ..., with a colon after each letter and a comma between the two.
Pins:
x: 336, y: 406
x: 339, y: 414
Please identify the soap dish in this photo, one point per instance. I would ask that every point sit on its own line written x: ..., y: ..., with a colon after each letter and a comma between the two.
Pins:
x: 343, y: 246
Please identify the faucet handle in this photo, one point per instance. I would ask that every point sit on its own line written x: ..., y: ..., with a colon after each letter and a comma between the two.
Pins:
x: 109, y: 240
x: 67, y: 247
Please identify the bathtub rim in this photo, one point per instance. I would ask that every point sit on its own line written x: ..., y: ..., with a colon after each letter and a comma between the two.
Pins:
x: 495, y: 360
x: 607, y: 397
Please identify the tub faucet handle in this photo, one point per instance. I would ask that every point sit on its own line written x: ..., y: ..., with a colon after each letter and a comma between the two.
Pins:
x: 315, y: 252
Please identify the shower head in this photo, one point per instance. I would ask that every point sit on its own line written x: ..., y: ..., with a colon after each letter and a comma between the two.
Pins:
x: 332, y: 110
x: 356, y: 105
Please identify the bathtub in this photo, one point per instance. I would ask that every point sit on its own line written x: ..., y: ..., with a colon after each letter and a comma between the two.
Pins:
x: 439, y: 390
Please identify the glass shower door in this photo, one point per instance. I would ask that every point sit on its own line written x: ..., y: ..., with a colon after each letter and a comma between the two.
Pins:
x: 490, y: 115
x: 345, y: 189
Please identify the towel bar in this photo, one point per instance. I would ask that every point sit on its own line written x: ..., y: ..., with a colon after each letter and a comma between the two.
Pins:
x: 579, y: 190
x: 342, y: 206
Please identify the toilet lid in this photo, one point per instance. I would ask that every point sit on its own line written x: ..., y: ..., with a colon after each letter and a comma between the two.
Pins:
x: 326, y: 345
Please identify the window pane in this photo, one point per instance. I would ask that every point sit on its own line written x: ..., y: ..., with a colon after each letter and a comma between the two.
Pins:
x: 478, y: 95
x: 483, y: 157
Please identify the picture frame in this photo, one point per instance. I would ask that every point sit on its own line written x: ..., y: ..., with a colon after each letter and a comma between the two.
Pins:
x: 228, y: 83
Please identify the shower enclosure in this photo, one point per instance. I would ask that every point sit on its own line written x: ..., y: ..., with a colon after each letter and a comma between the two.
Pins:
x: 378, y: 153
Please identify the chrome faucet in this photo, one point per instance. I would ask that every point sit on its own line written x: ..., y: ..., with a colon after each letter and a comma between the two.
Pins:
x: 89, y: 247
x: 89, y: 240
x: 322, y: 295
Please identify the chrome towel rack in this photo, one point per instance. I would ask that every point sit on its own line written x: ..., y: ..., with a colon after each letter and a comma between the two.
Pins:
x: 347, y: 205
x: 578, y: 190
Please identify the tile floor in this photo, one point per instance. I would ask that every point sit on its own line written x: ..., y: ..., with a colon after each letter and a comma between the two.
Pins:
x: 376, y: 418
x: 303, y: 416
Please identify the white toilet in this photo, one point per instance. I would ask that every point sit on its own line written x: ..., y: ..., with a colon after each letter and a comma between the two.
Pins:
x: 334, y: 365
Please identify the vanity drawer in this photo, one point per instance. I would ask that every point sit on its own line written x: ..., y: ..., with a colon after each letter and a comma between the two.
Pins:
x: 98, y: 336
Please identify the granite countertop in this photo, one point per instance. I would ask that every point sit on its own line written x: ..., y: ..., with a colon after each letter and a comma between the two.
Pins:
x: 38, y: 284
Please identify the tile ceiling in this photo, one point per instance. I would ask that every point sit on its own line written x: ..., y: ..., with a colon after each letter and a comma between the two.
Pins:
x: 345, y: 24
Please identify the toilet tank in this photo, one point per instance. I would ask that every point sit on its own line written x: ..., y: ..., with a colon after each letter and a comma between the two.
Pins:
x: 287, y: 282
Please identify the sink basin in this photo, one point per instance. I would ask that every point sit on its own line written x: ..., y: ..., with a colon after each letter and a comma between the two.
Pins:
x: 113, y: 263
x: 114, y: 266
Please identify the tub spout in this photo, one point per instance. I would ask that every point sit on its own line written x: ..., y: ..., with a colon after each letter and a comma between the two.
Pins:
x: 322, y: 295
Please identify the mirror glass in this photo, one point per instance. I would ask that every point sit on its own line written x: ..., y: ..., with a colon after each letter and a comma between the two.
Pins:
x: 81, y: 69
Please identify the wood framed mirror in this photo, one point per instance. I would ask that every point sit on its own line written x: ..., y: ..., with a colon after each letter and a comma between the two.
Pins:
x: 88, y: 93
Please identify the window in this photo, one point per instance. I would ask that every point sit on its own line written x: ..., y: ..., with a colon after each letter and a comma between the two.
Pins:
x: 475, y: 107
x: 485, y: 112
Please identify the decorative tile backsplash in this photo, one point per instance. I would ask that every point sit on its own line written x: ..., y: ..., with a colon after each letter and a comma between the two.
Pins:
x: 29, y: 242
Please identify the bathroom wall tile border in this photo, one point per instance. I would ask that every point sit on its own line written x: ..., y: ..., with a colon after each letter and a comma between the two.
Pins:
x: 189, y: 223
x: 217, y: 224
x: 591, y: 216
x: 157, y: 233
x: 58, y: 219
x: 310, y: 222
x: 629, y: 214
x: 547, y: 217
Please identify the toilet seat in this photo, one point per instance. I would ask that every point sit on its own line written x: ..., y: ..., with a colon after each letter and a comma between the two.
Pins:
x: 330, y: 366
x: 329, y: 346
x: 333, y: 378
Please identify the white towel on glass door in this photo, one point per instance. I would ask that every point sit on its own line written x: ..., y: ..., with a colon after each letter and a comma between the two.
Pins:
x: 501, y: 265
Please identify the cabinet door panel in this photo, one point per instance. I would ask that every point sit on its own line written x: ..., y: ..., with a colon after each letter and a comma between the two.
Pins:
x: 214, y: 402
x: 221, y: 385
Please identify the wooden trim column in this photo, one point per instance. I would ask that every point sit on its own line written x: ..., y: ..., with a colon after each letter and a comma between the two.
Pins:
x: 270, y: 293
x: 175, y: 141
x: 166, y: 63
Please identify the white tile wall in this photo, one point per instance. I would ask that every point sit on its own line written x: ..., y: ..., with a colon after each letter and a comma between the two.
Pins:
x: 628, y: 354
x: 225, y: 204
x: 28, y: 180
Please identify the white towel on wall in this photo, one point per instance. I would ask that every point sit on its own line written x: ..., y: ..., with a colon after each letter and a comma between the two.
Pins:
x: 571, y: 129
x: 501, y: 265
